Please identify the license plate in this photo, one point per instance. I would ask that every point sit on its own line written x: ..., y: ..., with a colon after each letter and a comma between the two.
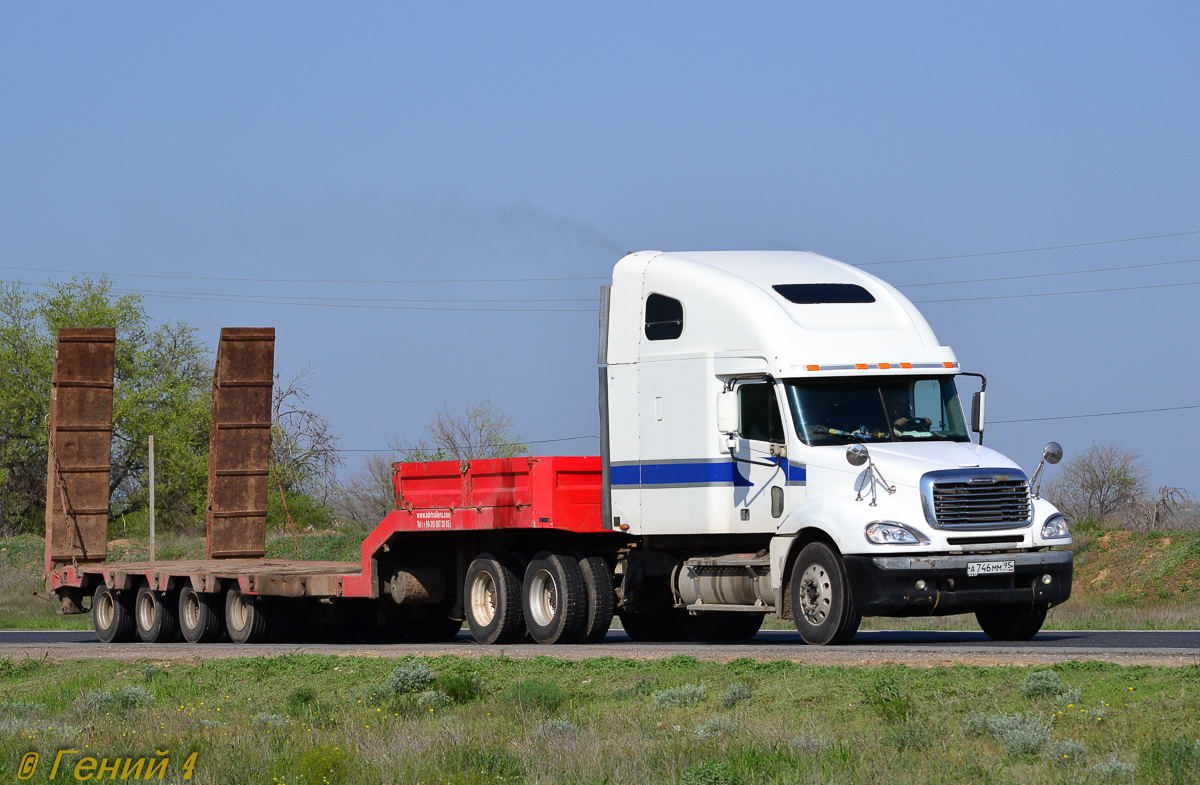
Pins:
x: 989, y: 567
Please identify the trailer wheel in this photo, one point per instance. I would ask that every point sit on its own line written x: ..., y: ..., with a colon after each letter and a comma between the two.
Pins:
x: 1012, y: 622
x: 555, y: 601
x: 601, y: 599
x: 112, y: 615
x: 244, y: 617
x: 493, y: 592
x: 155, y: 613
x: 200, y: 616
x: 821, y: 603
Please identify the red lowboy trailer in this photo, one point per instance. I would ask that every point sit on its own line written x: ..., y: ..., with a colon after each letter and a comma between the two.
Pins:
x: 490, y: 519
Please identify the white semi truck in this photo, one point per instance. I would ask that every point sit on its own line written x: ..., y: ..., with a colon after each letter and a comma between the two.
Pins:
x: 781, y: 434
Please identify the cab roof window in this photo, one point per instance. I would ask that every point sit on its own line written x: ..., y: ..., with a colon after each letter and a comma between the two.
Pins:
x: 819, y: 293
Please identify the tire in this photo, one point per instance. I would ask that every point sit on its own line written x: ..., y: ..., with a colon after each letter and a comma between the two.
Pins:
x: 201, y: 619
x: 493, y: 601
x: 821, y: 603
x: 661, y: 626
x: 1012, y: 622
x: 245, y: 618
x: 731, y: 626
x: 554, y: 599
x: 112, y: 615
x: 601, y: 599
x: 155, y: 613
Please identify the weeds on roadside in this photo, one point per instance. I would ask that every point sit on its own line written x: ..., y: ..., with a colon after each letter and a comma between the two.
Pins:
x: 736, y: 694
x: 407, y: 677
x: 687, y: 695
x: 535, y: 695
x: 1112, y: 769
x: 716, y: 728
x: 118, y: 701
x: 1020, y: 734
x: 888, y: 697
x: 1068, y: 752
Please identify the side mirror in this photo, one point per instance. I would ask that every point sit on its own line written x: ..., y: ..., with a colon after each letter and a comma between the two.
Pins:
x: 727, y: 412
x: 1052, y: 453
x: 977, y: 412
x: 857, y: 454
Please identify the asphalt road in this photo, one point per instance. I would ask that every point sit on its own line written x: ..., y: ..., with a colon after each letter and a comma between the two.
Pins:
x: 912, y: 647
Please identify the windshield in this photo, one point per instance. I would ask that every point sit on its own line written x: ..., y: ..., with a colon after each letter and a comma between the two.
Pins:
x: 876, y: 409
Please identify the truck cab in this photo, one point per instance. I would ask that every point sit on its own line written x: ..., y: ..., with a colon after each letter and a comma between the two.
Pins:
x: 786, y: 434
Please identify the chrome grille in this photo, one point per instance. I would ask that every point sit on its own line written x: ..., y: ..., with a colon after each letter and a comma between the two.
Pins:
x: 969, y: 503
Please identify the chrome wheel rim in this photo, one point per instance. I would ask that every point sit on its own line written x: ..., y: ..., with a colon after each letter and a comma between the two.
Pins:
x: 238, y: 612
x: 191, y: 611
x: 105, y: 611
x: 147, y: 611
x: 816, y: 595
x: 543, y: 598
x: 483, y: 599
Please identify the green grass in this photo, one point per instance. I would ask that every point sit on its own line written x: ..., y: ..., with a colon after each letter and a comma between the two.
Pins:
x: 309, y: 719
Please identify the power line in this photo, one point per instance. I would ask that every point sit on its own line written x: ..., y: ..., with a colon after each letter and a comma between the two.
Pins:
x: 508, y: 444
x: 1030, y: 250
x: 1059, y: 294
x: 1050, y: 275
x: 305, y: 280
x: 1100, y: 414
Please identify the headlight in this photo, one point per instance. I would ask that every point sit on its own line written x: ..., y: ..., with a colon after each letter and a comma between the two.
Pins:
x: 892, y: 533
x: 1055, y: 528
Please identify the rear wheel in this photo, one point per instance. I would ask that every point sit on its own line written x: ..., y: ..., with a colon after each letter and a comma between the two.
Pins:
x: 200, y: 616
x: 1012, y: 622
x: 155, y: 613
x: 493, y: 593
x: 245, y: 617
x: 554, y: 600
x: 821, y: 603
x: 112, y: 615
x: 598, y: 586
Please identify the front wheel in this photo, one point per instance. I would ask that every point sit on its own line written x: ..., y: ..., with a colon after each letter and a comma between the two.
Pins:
x: 821, y: 603
x: 1012, y: 622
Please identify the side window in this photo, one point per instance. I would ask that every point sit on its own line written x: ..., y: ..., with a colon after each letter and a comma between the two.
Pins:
x: 927, y: 402
x: 758, y: 413
x: 664, y: 318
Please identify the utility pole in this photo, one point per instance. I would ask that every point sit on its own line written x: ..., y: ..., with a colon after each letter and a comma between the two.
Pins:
x: 152, y: 551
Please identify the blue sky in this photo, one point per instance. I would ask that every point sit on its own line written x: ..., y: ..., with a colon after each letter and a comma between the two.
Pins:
x: 306, y: 142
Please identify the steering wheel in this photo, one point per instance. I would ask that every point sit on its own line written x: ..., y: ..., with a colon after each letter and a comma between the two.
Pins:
x: 912, y: 424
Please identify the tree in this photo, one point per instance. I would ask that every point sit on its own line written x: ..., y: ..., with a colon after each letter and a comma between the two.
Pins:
x: 478, y: 431
x: 1105, y: 484
x: 162, y: 386
x: 304, y: 452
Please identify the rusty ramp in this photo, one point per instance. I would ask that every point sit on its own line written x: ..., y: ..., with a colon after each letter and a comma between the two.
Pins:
x: 240, y: 443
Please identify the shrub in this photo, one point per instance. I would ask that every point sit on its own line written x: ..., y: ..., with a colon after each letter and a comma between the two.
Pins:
x: 735, y: 695
x: 1019, y: 733
x: 300, y: 699
x: 408, y: 676
x: 150, y: 671
x: 20, y: 708
x: 1043, y: 684
x: 535, y: 695
x: 716, y: 727
x: 687, y: 695
x: 887, y: 696
x: 643, y: 686
x: 118, y: 701
x: 433, y: 699
x: 1067, y: 752
x: 909, y: 736
x: 462, y: 684
x: 269, y: 721
x: 810, y: 744
x: 1112, y: 769
x: 556, y: 728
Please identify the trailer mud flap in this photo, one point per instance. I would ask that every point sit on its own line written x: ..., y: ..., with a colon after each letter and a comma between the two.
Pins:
x: 80, y: 446
x: 240, y: 443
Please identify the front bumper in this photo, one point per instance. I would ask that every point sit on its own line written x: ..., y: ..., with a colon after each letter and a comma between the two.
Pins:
x: 887, y: 585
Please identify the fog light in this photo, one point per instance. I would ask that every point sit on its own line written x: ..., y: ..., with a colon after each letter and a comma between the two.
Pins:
x: 920, y: 585
x: 1046, y: 580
